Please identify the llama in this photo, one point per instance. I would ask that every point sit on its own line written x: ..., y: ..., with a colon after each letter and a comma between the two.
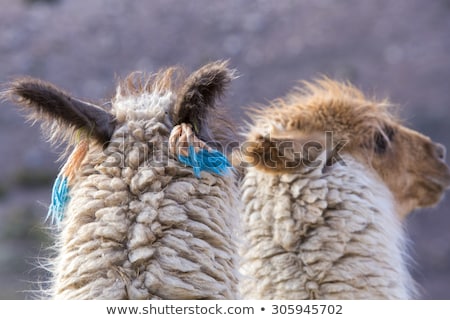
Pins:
x: 330, y: 176
x: 138, y: 224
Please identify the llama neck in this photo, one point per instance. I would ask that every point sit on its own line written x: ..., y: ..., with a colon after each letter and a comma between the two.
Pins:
x: 324, y: 236
x: 134, y: 231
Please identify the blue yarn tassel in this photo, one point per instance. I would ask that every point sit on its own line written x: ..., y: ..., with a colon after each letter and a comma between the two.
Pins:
x: 60, y: 191
x: 204, y: 160
x: 60, y: 196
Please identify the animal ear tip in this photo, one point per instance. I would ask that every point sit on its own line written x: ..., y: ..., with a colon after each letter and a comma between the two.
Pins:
x: 4, y: 90
x: 20, y: 86
x: 10, y: 90
x: 223, y: 67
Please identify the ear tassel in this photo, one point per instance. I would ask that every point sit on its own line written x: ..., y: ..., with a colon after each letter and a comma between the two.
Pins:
x: 60, y: 191
x: 60, y: 196
x: 193, y: 152
x: 205, y: 160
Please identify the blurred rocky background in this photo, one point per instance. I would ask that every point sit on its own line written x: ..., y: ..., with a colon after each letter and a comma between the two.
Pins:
x: 395, y: 48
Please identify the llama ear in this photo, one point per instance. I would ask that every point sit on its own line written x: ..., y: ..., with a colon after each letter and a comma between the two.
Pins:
x: 59, y: 111
x: 199, y: 94
x: 284, y: 153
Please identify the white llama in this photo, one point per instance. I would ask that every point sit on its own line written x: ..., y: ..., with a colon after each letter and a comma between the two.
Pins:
x: 330, y: 177
x: 135, y: 222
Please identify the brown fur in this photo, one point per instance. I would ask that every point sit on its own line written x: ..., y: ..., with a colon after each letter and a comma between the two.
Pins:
x: 197, y: 98
x: 411, y: 164
x: 47, y: 103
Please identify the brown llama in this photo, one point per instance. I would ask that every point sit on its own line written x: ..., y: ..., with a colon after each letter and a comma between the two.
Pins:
x: 331, y: 175
x: 135, y: 222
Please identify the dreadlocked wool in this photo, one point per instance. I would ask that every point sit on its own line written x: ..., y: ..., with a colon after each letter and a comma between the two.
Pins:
x: 140, y: 225
x: 316, y: 235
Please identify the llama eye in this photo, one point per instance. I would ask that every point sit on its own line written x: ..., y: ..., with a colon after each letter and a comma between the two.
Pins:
x: 381, y: 142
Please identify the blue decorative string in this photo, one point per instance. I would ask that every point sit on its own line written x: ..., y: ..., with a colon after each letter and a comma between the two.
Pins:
x: 204, y: 160
x: 60, y: 197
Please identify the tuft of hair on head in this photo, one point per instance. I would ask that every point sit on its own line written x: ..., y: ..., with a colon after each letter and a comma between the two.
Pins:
x: 61, y: 114
x: 198, y: 97
x: 138, y: 82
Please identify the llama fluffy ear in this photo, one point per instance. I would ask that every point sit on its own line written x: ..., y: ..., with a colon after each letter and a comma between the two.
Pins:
x: 61, y: 114
x: 287, y: 152
x: 198, y: 97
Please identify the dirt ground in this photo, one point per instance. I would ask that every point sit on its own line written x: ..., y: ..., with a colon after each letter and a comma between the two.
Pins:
x: 394, y: 48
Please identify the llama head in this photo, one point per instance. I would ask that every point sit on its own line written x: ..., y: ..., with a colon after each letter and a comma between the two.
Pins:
x: 317, y: 124
x: 134, y: 132
x: 63, y: 117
